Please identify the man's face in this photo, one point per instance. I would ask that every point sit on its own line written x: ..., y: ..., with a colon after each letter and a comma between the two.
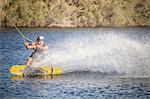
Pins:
x: 41, y: 43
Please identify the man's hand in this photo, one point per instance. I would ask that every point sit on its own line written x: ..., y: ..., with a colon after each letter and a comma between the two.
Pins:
x: 33, y: 43
x: 30, y: 46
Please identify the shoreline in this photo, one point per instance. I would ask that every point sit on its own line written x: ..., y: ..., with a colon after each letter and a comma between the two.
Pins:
x: 53, y: 28
x: 77, y: 26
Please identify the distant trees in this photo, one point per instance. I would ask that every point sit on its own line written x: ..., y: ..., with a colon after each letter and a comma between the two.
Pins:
x: 76, y: 13
x: 2, y: 4
x: 26, y: 13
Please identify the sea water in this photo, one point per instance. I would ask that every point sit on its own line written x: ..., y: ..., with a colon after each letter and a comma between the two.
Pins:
x: 97, y: 63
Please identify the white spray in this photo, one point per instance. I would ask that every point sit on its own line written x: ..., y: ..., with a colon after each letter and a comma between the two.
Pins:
x: 107, y: 52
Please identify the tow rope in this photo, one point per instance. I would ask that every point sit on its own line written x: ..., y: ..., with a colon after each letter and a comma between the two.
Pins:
x: 23, y: 36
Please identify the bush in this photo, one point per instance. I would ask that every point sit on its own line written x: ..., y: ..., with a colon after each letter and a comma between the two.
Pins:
x: 78, y: 12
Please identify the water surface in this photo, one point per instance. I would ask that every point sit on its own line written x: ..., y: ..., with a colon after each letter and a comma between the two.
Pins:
x: 98, y: 63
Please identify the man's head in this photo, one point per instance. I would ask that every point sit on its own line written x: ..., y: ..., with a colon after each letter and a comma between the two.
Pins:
x: 40, y: 40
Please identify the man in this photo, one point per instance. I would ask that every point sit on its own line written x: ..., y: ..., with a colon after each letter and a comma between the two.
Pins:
x: 39, y: 49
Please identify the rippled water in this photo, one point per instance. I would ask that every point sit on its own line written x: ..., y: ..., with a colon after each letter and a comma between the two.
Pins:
x: 98, y: 63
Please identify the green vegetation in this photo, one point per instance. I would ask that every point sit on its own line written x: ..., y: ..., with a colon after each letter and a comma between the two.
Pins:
x: 77, y: 13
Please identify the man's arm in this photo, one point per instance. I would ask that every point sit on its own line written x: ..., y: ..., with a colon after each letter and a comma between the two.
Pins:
x: 30, y: 46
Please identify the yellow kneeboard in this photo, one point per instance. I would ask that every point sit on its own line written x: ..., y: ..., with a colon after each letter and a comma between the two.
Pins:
x: 18, y: 70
